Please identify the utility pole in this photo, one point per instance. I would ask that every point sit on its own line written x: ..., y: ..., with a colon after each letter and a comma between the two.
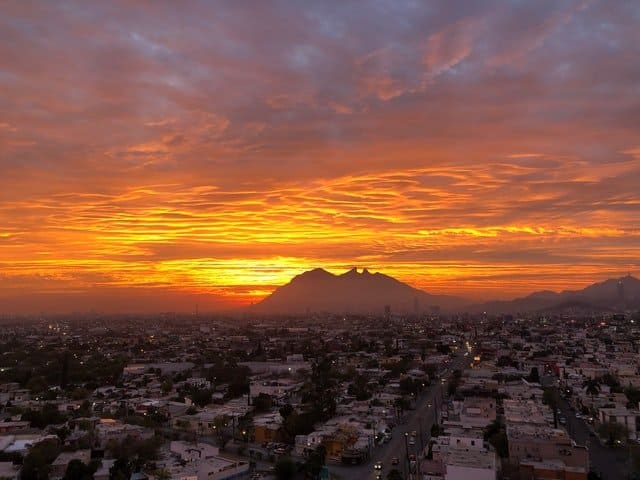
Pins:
x: 406, y: 449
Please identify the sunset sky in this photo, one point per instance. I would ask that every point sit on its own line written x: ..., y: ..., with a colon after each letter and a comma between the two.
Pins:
x: 155, y: 155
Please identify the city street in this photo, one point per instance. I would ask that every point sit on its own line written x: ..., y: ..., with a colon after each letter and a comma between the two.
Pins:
x: 419, y: 420
x: 609, y: 462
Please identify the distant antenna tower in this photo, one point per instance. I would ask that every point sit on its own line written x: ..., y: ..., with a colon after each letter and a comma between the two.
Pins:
x: 621, y: 289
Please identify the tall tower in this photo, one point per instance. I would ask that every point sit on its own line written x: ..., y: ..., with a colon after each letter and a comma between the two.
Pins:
x: 621, y: 290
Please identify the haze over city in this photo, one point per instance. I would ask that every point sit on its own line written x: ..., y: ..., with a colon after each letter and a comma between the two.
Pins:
x: 157, y: 155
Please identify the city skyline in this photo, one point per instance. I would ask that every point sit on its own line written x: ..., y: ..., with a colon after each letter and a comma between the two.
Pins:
x: 157, y: 156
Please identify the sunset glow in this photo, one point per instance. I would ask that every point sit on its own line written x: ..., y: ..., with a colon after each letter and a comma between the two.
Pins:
x: 158, y: 156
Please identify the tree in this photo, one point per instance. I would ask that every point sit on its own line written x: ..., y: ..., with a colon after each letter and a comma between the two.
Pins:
x: 409, y: 385
x: 500, y: 442
x: 262, y: 403
x: 614, y: 432
x: 497, y: 437
x: 201, y: 397
x: 534, y: 376
x: 506, y: 361
x: 315, y: 462
x: 612, y: 382
x: 633, y: 396
x: 285, y: 469
x: 394, y: 474
x: 300, y: 423
x: 286, y: 410
x: 220, y: 425
x: 359, y: 388
x: 49, y: 415
x: 166, y: 386
x: 120, y: 470
x: 162, y: 474
x: 80, y: 394
x: 37, y: 462
x: 550, y: 397
x: 402, y: 404
x: 593, y: 387
x: 77, y: 470
x: 323, y: 387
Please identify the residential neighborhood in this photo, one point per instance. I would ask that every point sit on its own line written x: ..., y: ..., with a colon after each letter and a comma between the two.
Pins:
x: 423, y: 397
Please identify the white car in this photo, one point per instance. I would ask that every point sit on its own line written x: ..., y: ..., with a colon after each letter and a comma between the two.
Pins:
x: 378, y: 466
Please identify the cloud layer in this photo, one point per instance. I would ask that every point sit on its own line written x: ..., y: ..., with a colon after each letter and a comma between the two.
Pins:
x: 206, y: 152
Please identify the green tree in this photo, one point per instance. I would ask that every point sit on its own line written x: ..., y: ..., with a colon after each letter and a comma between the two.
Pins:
x: 77, y: 470
x: 614, y: 432
x: 633, y: 396
x: 592, y: 387
x: 534, y: 376
x: 359, y: 388
x: 220, y: 427
x: 394, y: 474
x: 201, y: 397
x: 550, y: 397
x: 120, y: 470
x: 286, y: 410
x: 500, y: 442
x: 285, y: 468
x: 166, y: 386
x: 37, y: 462
x: 315, y: 462
x: 262, y: 403
x: 79, y: 394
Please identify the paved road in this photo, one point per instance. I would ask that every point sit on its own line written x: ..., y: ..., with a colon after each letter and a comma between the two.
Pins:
x: 610, y: 462
x: 419, y: 420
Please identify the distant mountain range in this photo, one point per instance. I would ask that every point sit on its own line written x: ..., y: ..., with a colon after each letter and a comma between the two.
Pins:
x: 363, y: 292
x: 353, y: 292
x: 611, y: 295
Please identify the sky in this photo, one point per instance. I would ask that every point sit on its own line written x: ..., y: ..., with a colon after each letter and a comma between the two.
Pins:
x: 158, y: 155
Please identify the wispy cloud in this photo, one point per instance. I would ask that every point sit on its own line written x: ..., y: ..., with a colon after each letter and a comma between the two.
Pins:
x: 483, y: 148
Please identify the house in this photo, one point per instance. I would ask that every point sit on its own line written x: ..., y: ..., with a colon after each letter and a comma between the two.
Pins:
x: 9, y: 471
x: 60, y: 464
x: 103, y: 471
x: 268, y: 428
x: 621, y: 416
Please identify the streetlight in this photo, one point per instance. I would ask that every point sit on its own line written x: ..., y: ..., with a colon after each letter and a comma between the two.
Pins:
x: 406, y: 449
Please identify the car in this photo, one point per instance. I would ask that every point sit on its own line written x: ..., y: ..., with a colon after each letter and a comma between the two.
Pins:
x: 378, y: 466
x: 412, y: 441
x: 414, y: 433
x: 395, y: 461
x: 578, y: 415
x: 563, y: 421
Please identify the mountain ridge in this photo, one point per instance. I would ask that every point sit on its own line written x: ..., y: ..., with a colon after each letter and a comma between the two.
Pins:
x: 353, y: 291
x: 318, y: 290
x: 613, y: 294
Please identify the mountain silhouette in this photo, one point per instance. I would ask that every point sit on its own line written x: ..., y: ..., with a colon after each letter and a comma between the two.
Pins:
x: 615, y: 294
x: 353, y: 292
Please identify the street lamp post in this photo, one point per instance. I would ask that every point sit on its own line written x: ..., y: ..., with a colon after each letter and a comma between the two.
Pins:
x: 406, y: 449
